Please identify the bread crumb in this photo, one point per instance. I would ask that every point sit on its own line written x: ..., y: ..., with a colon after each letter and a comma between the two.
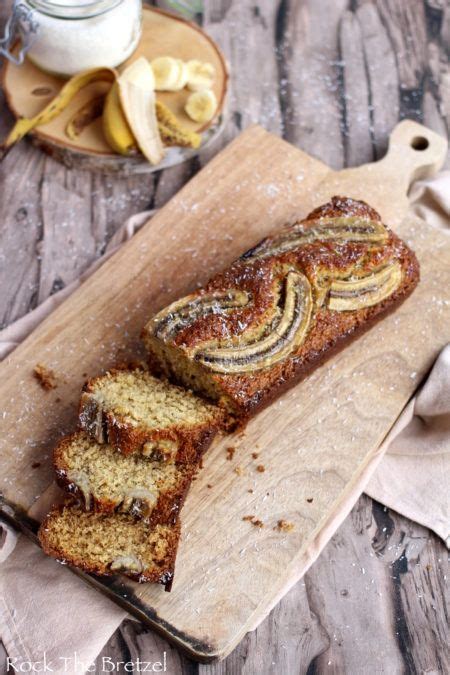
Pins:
x: 230, y: 453
x: 254, y: 521
x: 239, y: 470
x: 255, y: 455
x: 45, y: 376
x: 261, y: 468
x: 284, y: 526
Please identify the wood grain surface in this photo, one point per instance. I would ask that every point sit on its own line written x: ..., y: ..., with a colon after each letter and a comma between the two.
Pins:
x: 378, y: 585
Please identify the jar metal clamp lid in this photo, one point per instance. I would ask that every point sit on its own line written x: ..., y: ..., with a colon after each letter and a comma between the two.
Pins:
x: 21, y: 24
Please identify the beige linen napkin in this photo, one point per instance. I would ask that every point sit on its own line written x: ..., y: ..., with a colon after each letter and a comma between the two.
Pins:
x: 44, y: 609
x: 413, y: 477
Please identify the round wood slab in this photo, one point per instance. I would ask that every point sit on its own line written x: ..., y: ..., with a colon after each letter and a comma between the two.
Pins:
x: 28, y: 89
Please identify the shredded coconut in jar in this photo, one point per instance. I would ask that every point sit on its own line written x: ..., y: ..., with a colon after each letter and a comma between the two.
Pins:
x: 75, y: 35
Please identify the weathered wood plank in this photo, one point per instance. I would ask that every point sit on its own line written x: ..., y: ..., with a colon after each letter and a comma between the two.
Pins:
x: 379, y: 55
x: 357, y: 113
x: 394, y: 37
x: 287, y: 642
x: 21, y: 229
x: 373, y: 602
x: 310, y: 87
x: 349, y: 586
x: 133, y: 641
x: 407, y: 27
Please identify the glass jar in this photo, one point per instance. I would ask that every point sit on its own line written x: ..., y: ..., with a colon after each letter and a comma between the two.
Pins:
x: 73, y: 35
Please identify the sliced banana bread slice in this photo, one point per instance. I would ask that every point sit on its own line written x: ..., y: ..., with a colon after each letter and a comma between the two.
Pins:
x: 134, y: 411
x: 107, y: 544
x: 106, y: 480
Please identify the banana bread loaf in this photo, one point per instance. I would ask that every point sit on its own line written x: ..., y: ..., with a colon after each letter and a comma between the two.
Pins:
x: 283, y: 307
x: 104, y: 479
x: 133, y: 411
x: 110, y: 543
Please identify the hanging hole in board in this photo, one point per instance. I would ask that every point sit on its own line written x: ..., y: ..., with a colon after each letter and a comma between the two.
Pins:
x: 420, y: 143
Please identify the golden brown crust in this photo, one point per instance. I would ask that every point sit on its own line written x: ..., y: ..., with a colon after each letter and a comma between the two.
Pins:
x: 247, y: 392
x: 165, y: 512
x: 163, y: 574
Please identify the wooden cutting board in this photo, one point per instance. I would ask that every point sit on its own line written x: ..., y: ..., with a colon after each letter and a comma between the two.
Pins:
x: 315, y: 443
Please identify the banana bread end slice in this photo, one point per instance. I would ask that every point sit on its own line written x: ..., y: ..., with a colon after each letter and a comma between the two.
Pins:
x: 108, y: 544
x: 136, y: 412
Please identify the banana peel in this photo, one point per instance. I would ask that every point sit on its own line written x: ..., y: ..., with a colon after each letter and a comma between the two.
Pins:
x: 88, y: 112
x: 23, y: 126
x: 137, y: 96
x: 116, y: 128
x: 119, y: 136
x: 172, y: 132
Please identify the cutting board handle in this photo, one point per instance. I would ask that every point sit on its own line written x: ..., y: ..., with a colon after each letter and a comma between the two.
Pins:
x: 415, y: 150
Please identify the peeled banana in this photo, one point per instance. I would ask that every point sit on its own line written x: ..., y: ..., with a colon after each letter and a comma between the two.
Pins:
x: 201, y: 106
x: 137, y: 96
x: 120, y: 137
x: 57, y: 105
x: 200, y: 75
x: 115, y: 126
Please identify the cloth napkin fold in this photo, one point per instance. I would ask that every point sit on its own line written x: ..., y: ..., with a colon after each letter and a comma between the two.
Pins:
x: 43, y: 609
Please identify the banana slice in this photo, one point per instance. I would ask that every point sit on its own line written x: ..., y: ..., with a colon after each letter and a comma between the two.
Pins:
x: 137, y: 96
x: 285, y: 334
x: 201, y: 106
x: 360, y: 292
x: 200, y: 75
x: 170, y: 74
x: 182, y: 75
x: 340, y: 230
x: 184, y: 312
x: 115, y: 126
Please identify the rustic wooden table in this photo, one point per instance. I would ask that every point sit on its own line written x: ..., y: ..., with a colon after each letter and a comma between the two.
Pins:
x: 333, y: 77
